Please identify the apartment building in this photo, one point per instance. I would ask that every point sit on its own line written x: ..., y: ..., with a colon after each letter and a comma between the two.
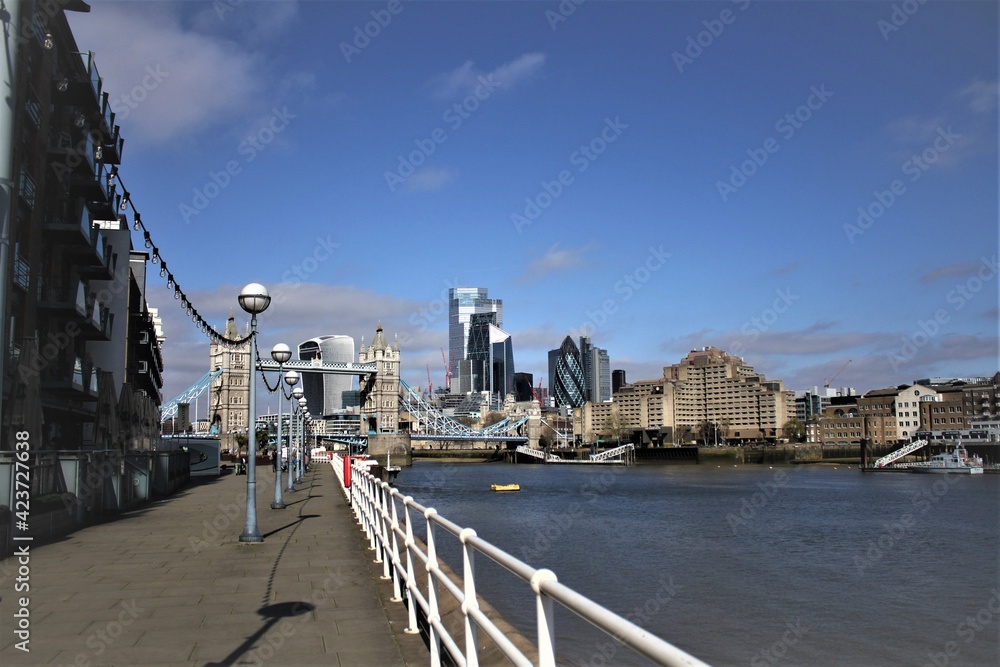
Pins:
x: 715, y: 387
x: 81, y: 348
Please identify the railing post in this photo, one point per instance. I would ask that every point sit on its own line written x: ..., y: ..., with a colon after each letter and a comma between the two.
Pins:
x: 433, y: 612
x: 545, y: 619
x: 471, y: 600
x: 397, y: 595
x: 411, y: 578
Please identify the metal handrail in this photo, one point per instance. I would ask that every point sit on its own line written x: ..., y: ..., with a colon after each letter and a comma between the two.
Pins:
x: 376, y: 505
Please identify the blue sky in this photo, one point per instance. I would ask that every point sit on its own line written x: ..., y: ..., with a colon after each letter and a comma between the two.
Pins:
x: 798, y: 183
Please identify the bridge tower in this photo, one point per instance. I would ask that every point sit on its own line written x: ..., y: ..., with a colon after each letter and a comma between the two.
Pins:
x: 534, y: 424
x: 229, y: 407
x: 380, y: 402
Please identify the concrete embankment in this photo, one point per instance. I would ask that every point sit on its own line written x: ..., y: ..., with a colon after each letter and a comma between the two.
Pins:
x: 781, y: 454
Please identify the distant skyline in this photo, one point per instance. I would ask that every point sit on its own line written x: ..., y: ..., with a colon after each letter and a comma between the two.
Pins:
x: 797, y: 183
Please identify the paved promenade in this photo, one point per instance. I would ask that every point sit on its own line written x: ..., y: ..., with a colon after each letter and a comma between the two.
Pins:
x: 170, y: 584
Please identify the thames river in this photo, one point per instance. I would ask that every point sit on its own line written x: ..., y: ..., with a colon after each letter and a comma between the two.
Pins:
x: 748, y: 565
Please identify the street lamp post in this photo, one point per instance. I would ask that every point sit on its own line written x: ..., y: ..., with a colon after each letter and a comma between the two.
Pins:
x: 291, y: 379
x: 306, y: 421
x: 302, y: 434
x: 280, y: 353
x: 254, y: 299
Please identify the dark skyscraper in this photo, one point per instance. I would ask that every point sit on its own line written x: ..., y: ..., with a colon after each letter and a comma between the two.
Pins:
x: 617, y: 380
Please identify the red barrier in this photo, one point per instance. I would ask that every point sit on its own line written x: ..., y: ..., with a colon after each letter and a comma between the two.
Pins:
x: 347, y: 472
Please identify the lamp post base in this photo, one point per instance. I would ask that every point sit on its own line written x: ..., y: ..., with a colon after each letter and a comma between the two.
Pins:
x: 277, y: 506
x: 251, y: 538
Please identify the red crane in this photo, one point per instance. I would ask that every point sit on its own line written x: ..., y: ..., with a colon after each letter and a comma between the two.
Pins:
x: 447, y: 370
x: 430, y: 387
x: 827, y: 382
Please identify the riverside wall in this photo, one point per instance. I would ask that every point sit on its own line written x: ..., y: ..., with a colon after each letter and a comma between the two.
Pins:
x: 781, y: 454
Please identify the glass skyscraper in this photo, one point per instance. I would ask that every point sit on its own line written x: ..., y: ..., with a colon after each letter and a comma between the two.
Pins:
x: 463, y: 302
x: 567, y: 383
x: 491, y: 358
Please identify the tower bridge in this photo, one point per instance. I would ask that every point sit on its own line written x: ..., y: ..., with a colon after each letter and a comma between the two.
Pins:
x: 384, y: 395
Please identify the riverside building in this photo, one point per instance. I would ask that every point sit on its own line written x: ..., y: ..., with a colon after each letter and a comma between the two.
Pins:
x: 463, y: 302
x: 81, y: 365
x: 708, y: 387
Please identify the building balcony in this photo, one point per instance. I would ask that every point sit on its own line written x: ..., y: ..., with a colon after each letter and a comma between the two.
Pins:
x: 95, y: 326
x: 74, y: 233
x: 96, y: 264
x: 76, y: 380
x: 84, y: 87
x: 66, y: 303
x: 93, y: 185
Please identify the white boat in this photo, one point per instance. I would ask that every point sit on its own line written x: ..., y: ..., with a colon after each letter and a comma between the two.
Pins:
x: 957, y: 460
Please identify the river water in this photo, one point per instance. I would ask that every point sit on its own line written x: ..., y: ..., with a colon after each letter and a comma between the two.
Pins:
x: 748, y: 565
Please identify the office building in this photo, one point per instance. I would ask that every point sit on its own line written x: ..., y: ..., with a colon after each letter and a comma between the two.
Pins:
x: 567, y: 382
x: 491, y: 358
x: 325, y: 393
x: 463, y: 302
x: 524, y: 388
x: 617, y: 380
x: 596, y: 371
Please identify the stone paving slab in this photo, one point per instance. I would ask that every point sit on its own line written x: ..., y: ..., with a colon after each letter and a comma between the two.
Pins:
x: 170, y: 584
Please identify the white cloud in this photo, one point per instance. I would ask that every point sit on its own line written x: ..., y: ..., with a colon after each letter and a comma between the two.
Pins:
x: 429, y: 178
x: 981, y: 95
x: 465, y: 79
x: 200, y: 80
x: 555, y: 259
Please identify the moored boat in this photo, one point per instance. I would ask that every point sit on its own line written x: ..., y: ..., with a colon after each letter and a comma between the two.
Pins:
x: 957, y: 460
x: 505, y: 487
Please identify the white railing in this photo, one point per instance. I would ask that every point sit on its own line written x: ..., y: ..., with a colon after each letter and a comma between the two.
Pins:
x: 537, y: 453
x: 899, y: 453
x: 387, y: 518
x: 625, y: 452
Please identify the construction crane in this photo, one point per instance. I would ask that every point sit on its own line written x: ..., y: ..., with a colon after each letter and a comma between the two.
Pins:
x: 827, y: 382
x: 447, y: 371
x: 430, y: 387
x: 538, y: 392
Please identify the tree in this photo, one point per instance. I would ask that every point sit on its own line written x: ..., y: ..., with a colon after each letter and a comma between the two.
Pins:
x: 794, y: 430
x: 492, y: 418
x: 710, y: 433
x: 616, y: 427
